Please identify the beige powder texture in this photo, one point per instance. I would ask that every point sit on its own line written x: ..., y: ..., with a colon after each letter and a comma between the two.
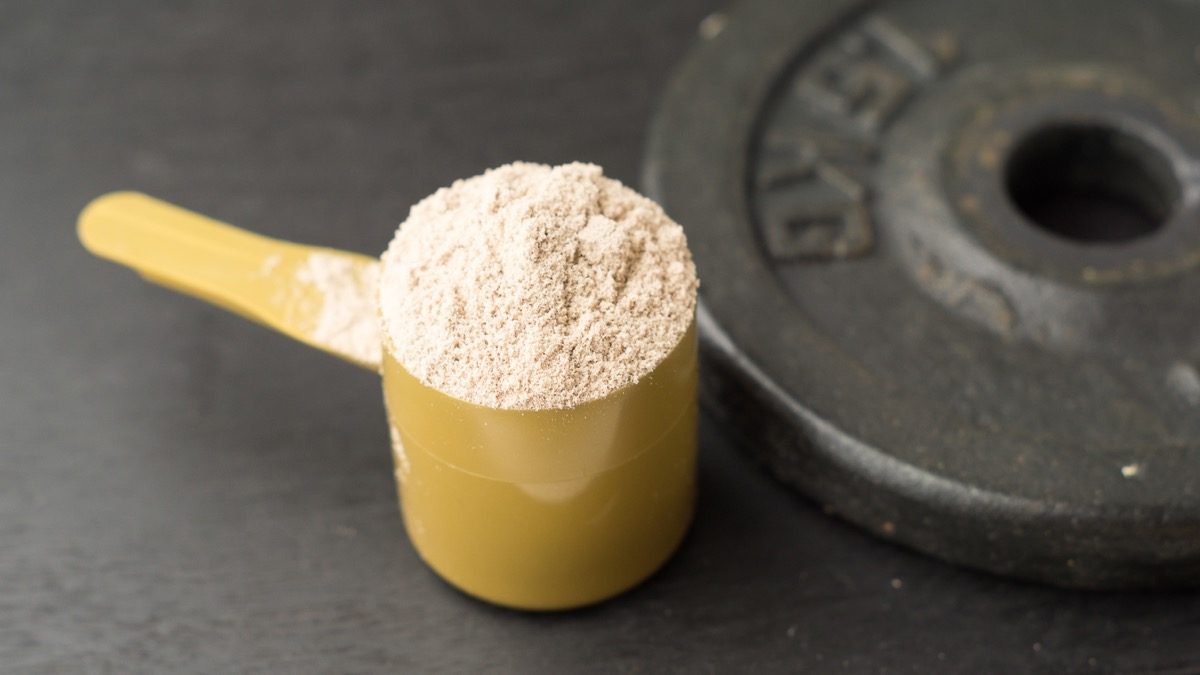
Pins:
x: 534, y: 287
x: 347, y: 321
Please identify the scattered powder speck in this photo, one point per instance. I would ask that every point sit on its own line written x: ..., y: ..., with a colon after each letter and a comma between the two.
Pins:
x: 269, y: 264
x: 348, y: 320
x: 536, y: 287
x: 399, y: 455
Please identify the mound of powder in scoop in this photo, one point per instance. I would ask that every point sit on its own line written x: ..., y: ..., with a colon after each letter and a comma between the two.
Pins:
x: 533, y: 287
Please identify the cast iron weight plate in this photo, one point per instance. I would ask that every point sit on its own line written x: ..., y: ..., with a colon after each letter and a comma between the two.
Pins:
x: 950, y: 255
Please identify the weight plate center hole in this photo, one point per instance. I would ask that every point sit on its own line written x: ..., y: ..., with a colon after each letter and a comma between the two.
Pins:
x: 1091, y: 184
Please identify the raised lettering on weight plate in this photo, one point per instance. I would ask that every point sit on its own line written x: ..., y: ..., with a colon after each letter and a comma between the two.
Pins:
x: 815, y: 209
x: 868, y: 75
x: 813, y: 182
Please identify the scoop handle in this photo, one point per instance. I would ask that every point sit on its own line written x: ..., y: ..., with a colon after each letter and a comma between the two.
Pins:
x: 246, y: 273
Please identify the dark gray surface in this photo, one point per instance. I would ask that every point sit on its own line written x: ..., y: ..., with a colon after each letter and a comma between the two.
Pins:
x: 182, y: 491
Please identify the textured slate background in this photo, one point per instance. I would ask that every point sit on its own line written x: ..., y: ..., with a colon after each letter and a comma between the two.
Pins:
x: 182, y: 491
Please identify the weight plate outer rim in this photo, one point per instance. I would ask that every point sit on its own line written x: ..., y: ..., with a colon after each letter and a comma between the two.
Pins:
x: 1062, y: 544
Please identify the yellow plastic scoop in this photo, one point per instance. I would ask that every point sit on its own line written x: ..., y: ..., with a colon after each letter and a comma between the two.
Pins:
x: 264, y: 279
x: 537, y: 509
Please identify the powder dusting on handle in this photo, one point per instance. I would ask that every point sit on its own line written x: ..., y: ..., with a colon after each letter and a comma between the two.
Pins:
x: 348, y: 321
x: 535, y: 287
